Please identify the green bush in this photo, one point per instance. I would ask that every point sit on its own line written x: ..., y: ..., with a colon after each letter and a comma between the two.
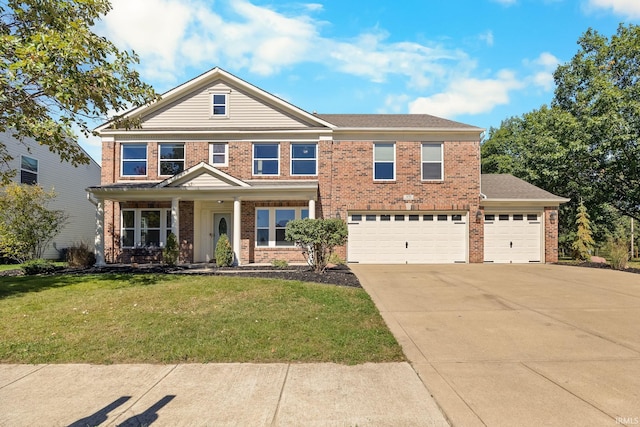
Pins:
x: 618, y: 253
x: 279, y: 263
x: 335, y: 259
x: 37, y: 266
x: 171, y: 251
x: 317, y: 238
x: 79, y: 255
x: 224, y: 252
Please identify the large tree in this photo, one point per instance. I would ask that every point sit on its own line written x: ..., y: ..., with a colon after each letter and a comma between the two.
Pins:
x: 600, y: 88
x: 56, y: 73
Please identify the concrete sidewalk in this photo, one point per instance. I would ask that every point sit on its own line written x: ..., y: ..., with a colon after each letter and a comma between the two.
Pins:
x: 387, y: 394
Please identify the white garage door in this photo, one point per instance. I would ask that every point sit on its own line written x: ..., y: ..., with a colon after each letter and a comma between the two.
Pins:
x: 512, y: 237
x: 416, y: 238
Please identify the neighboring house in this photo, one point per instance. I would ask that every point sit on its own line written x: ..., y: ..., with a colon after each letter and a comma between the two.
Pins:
x: 36, y: 165
x: 219, y: 155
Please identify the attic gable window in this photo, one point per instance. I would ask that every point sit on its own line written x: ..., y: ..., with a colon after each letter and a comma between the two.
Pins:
x: 219, y: 105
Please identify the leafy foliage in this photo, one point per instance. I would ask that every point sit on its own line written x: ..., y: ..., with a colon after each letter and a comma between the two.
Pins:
x: 37, y: 266
x: 55, y: 73
x: 171, y: 251
x: 27, y: 225
x: 224, y: 252
x: 618, y: 253
x: 583, y: 243
x: 318, y: 238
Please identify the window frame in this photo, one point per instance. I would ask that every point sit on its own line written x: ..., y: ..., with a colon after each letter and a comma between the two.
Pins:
x: 213, y: 104
x: 165, y: 225
x: 29, y: 171
x: 423, y: 161
x: 253, y: 158
x: 123, y: 160
x: 160, y: 160
x: 303, y: 159
x: 375, y: 162
x: 212, y: 153
x: 300, y: 212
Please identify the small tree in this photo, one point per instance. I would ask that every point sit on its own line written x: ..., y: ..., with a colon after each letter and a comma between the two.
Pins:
x: 583, y: 244
x: 224, y: 252
x: 318, y: 238
x: 27, y: 225
x: 171, y: 251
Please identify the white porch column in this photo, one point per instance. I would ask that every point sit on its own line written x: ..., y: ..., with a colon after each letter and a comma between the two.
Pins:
x: 312, y: 209
x: 175, y: 218
x: 237, y: 229
x: 99, y: 240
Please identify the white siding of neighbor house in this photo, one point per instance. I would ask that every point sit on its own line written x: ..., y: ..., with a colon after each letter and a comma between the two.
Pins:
x: 244, y: 111
x: 69, y: 183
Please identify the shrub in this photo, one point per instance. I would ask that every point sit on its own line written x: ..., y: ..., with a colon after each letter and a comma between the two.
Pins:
x: 279, y: 263
x: 38, y: 266
x: 79, y: 255
x: 618, y: 253
x: 335, y: 259
x: 317, y: 238
x: 224, y: 252
x: 171, y: 251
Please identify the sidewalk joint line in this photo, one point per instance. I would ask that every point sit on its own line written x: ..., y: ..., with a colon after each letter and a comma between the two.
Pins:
x: 25, y: 376
x: 284, y: 383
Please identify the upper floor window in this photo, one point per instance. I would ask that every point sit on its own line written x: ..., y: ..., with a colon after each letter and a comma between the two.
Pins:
x: 219, y: 107
x: 219, y: 153
x: 432, y: 162
x: 304, y: 159
x: 171, y: 159
x: 384, y: 159
x: 134, y: 160
x: 266, y: 159
x: 28, y: 170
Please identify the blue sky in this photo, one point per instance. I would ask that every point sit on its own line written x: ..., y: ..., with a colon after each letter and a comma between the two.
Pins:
x: 476, y: 61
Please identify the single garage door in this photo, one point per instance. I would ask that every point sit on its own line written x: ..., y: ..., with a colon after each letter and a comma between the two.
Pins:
x: 416, y: 238
x: 512, y: 237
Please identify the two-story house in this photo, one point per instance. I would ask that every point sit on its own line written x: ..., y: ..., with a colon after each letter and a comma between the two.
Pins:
x: 36, y: 165
x: 218, y: 155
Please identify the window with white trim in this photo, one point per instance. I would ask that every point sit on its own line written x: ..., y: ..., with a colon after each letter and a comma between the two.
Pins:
x: 144, y: 227
x: 432, y: 169
x: 28, y: 170
x: 272, y: 222
x: 134, y: 160
x: 219, y: 105
x: 171, y: 159
x: 384, y: 160
x: 304, y: 159
x: 219, y: 153
x: 266, y: 159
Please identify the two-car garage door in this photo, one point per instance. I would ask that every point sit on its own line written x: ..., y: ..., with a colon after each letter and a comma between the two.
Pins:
x: 415, y: 238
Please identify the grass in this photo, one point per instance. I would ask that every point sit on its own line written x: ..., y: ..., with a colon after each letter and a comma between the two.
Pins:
x: 108, y: 319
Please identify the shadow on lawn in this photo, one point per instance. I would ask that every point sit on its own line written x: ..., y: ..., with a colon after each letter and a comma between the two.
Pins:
x: 15, y: 285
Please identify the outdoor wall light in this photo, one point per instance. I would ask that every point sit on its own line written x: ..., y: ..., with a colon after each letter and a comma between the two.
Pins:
x: 553, y: 216
x: 478, y: 215
x: 221, y: 201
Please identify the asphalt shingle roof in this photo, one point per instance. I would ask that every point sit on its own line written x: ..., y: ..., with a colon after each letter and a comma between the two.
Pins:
x: 415, y: 121
x: 505, y: 186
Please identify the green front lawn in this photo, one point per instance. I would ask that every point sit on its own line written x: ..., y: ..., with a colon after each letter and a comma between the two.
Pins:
x: 176, y: 319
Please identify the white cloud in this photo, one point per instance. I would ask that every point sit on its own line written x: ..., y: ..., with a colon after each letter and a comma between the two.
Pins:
x: 487, y: 37
x: 627, y: 8
x: 544, y: 66
x: 469, y: 96
x: 506, y: 2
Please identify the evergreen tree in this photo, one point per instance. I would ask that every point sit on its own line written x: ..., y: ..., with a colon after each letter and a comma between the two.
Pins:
x: 583, y: 245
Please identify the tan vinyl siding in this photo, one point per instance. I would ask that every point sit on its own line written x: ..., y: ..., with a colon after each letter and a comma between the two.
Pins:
x: 244, y: 111
x: 69, y: 183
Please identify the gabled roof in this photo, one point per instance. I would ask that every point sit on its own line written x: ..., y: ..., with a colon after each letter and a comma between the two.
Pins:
x: 218, y: 73
x: 202, y: 175
x: 506, y: 188
x: 394, y: 121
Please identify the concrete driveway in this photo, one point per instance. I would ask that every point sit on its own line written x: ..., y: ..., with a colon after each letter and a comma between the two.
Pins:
x: 525, y: 345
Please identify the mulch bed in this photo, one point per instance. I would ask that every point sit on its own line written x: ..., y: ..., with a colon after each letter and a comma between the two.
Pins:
x: 599, y: 265
x: 340, y: 275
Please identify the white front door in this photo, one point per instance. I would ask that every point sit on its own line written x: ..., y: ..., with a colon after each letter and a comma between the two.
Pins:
x: 221, y: 225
